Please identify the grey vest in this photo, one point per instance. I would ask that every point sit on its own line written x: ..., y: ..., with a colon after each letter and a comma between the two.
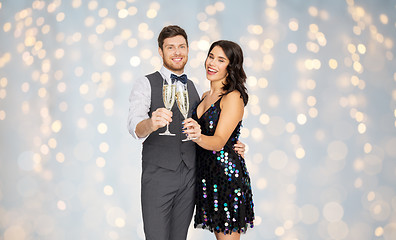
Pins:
x: 168, y: 151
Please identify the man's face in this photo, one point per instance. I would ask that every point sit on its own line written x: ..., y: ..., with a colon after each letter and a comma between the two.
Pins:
x: 174, y: 53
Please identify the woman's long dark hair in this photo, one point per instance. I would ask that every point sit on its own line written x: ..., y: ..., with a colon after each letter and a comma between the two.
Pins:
x: 236, y: 78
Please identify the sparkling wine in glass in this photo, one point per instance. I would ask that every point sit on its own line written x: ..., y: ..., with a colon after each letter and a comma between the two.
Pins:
x: 168, y: 96
x: 183, y: 103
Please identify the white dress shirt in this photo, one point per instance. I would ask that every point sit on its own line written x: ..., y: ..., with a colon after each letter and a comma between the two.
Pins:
x: 140, y: 101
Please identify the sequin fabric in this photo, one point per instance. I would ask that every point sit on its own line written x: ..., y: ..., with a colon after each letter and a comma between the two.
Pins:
x: 224, y: 199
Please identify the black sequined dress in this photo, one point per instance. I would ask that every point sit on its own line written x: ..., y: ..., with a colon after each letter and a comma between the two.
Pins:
x: 224, y: 200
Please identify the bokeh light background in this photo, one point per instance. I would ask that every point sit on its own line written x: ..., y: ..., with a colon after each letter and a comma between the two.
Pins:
x: 320, y: 126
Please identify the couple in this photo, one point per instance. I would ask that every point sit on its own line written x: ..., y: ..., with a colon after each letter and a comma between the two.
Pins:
x: 207, y: 172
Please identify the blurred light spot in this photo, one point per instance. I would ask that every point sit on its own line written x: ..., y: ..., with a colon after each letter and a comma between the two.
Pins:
x: 277, y: 159
x: 60, y: 17
x: 210, y: 10
x: 313, y: 11
x: 52, y: 143
x: 76, y: 3
x: 290, y: 189
x: 44, y: 149
x: 337, y: 150
x: 272, y: 14
x: 257, y: 134
x: 292, y: 47
x: 358, y: 183
x: 361, y: 49
x: 309, y: 214
x: 313, y: 112
x: 271, y: 3
x: 384, y: 19
x: 276, y: 126
x: 380, y: 210
x: 151, y: 13
x: 264, y: 119
x: 255, y: 109
x: 333, y: 63
x: 357, y: 66
x: 261, y: 183
x: 59, y: 53
x: 7, y: 27
x: 14, y: 232
x: 279, y: 231
x: 338, y: 230
x: 100, y: 162
x: 204, y: 26
x: 102, y: 128
x: 60, y: 157
x: 300, y: 153
x: 361, y: 128
x: 245, y: 133
x: 293, y: 24
x: 114, y: 215
x: 61, y: 87
x: 84, y: 89
x: 301, y: 119
x: 296, y: 98
x: 251, y: 81
x: 333, y: 211
x: 61, y: 205
x: 2, y: 114
x: 351, y: 48
x: 273, y: 101
x: 108, y: 190
x: 63, y: 106
x: 358, y: 165
x: 132, y: 11
x: 255, y: 29
x: 203, y: 44
x: 134, y: 61
x: 379, y: 231
x: 56, y: 126
x: 104, y: 147
x: 146, y: 53
x: 290, y: 127
x: 359, y: 116
x: 120, y: 222
x: 123, y: 13
x: 109, y: 59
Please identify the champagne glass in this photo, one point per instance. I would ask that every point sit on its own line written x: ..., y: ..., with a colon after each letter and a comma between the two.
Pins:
x: 183, y: 103
x: 168, y: 96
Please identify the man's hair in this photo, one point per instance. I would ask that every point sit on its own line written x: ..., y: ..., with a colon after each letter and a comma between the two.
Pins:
x: 170, y: 31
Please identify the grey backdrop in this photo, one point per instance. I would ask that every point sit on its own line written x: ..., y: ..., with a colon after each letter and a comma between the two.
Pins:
x: 320, y: 125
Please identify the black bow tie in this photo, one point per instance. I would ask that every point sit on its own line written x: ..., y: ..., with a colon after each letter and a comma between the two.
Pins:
x: 182, y: 78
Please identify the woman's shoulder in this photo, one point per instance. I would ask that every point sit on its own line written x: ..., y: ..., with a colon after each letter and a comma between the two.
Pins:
x: 233, y: 97
x: 235, y: 94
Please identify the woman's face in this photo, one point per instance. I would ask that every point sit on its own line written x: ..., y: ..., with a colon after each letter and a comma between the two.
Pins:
x: 216, y: 65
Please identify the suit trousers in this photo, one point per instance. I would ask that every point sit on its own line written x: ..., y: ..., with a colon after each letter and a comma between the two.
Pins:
x: 167, y: 199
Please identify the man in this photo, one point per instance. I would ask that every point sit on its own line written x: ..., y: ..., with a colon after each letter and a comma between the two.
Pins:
x: 168, y: 168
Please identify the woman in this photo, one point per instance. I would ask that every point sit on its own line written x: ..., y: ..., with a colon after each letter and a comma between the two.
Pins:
x: 224, y: 203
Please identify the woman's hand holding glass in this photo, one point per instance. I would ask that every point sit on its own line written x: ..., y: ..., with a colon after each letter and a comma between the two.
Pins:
x: 192, y: 129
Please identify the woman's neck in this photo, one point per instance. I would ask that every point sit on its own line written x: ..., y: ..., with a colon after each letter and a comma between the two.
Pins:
x: 216, y: 88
